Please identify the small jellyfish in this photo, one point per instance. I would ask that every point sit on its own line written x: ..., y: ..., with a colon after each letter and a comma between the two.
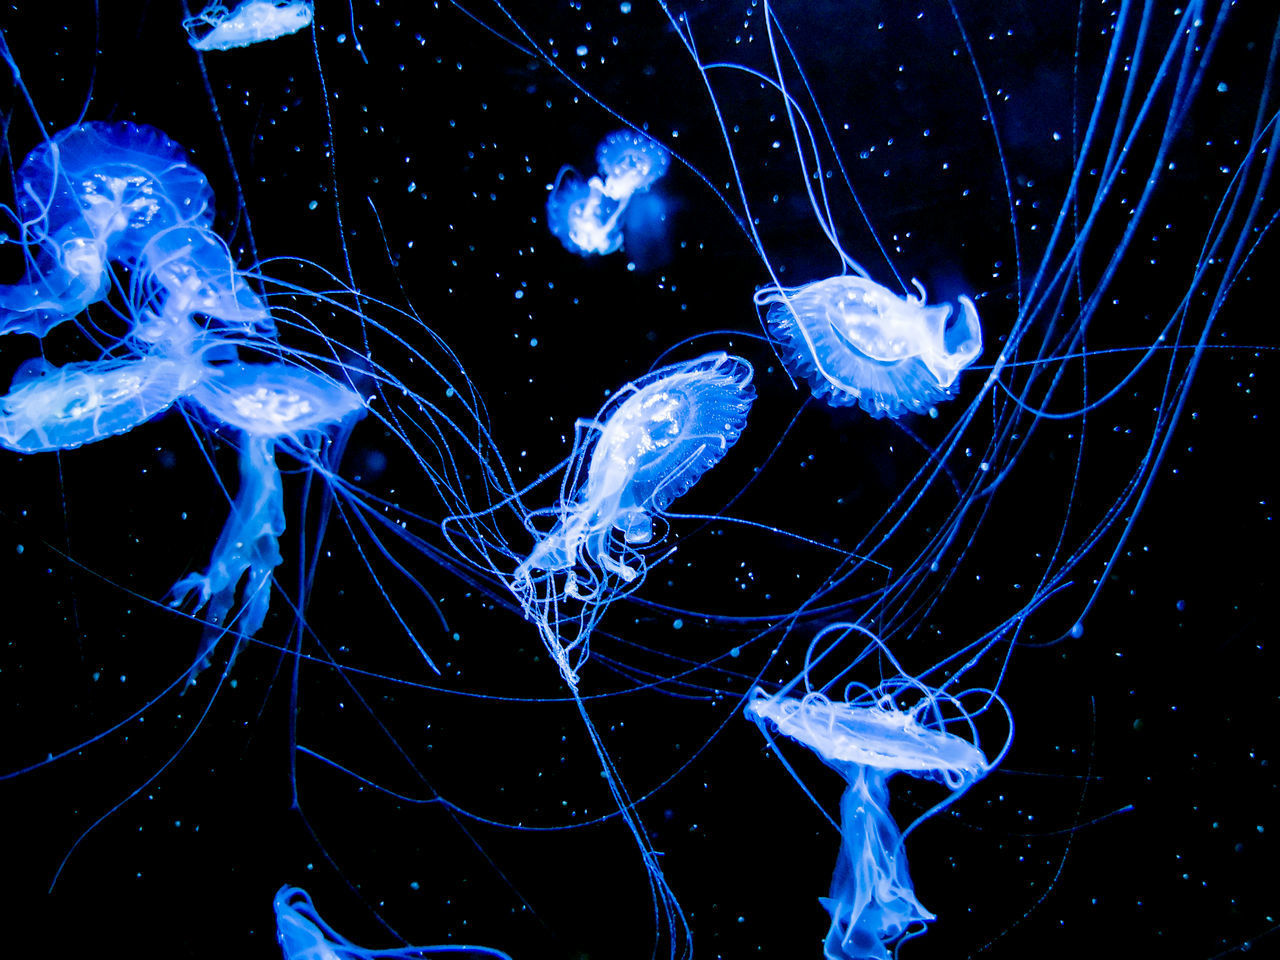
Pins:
x: 629, y: 163
x: 218, y: 28
x: 304, y: 935
x: 873, y: 904
x: 647, y: 446
x: 591, y: 216
x: 270, y: 405
x: 857, y: 343
x: 91, y: 194
x: 59, y: 408
x: 579, y: 213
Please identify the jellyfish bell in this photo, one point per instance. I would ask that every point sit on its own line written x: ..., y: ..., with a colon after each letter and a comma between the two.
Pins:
x: 218, y: 27
x: 880, y: 736
x: 858, y: 344
x: 190, y: 271
x: 580, y: 214
x: 126, y: 180
x: 630, y: 163
x: 60, y: 408
x: 276, y: 400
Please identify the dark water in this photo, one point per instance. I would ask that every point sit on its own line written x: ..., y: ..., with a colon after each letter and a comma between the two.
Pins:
x: 437, y: 153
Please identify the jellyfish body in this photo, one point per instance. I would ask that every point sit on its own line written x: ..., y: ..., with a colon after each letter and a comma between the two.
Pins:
x: 579, y: 213
x: 188, y: 271
x: 60, y: 408
x: 872, y: 903
x: 857, y: 343
x: 590, y: 216
x: 268, y: 404
x: 630, y: 162
x: 94, y: 193
x: 304, y: 935
x: 647, y: 446
x: 252, y: 21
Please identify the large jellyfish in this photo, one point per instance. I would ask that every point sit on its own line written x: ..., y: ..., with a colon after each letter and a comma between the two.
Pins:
x: 218, y: 27
x: 647, y: 446
x: 94, y: 193
x: 270, y: 405
x: 304, y: 935
x: 590, y: 216
x: 857, y: 342
x: 867, y: 738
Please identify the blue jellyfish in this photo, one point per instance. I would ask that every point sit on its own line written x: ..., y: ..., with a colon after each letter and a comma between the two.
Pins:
x: 579, y: 213
x: 270, y: 405
x: 304, y: 935
x: 867, y: 738
x: 217, y: 27
x: 60, y: 408
x: 91, y: 194
x: 591, y: 216
x: 647, y: 446
x: 858, y: 343
x: 630, y: 163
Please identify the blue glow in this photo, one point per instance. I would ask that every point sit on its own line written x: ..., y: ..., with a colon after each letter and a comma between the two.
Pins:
x: 867, y: 738
x: 218, y: 27
x: 270, y: 405
x: 60, y: 408
x: 304, y: 935
x: 592, y: 216
x: 855, y: 342
x: 94, y: 193
x: 645, y: 448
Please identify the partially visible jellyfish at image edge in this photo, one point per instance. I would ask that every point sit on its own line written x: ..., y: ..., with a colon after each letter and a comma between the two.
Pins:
x: 867, y: 738
x: 591, y: 216
x: 304, y: 935
x: 858, y: 343
x: 651, y: 442
x: 218, y: 27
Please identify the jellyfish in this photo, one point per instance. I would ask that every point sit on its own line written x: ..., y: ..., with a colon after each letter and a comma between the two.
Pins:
x: 269, y: 405
x: 252, y: 21
x: 867, y: 738
x: 93, y: 193
x: 60, y: 408
x: 629, y: 163
x: 591, y: 216
x: 858, y: 343
x: 647, y: 446
x: 304, y: 935
x: 579, y: 213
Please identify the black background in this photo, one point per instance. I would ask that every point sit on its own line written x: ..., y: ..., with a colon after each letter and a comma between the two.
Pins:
x: 1166, y: 702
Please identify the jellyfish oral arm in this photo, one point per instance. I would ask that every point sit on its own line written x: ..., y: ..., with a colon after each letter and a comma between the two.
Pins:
x: 872, y: 901
x: 248, y: 544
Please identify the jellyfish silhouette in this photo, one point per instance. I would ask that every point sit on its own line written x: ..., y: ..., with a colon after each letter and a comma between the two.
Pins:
x: 590, y: 216
x: 858, y: 343
x: 867, y: 739
x: 93, y: 193
x: 218, y: 27
x: 304, y: 935
x: 270, y: 405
